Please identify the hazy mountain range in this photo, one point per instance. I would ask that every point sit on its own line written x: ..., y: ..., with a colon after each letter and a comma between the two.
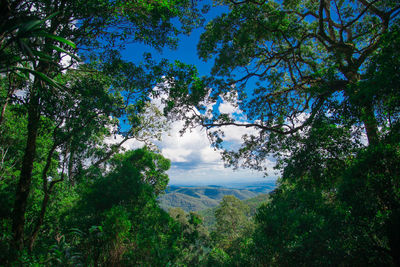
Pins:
x: 196, y: 198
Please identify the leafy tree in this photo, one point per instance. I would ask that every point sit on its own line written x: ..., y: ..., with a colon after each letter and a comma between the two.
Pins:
x: 118, y: 215
x: 41, y: 37
x: 194, y: 241
x: 317, y: 80
x: 232, y: 232
x: 232, y: 219
x: 289, y: 62
x: 332, y: 204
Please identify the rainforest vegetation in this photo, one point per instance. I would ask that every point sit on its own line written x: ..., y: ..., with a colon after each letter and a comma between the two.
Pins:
x: 317, y: 81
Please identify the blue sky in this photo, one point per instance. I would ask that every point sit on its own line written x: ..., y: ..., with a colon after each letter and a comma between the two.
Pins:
x: 186, y: 51
x: 193, y: 160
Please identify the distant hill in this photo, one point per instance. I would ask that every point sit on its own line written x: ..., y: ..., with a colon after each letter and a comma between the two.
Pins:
x: 199, y: 198
x: 258, y: 187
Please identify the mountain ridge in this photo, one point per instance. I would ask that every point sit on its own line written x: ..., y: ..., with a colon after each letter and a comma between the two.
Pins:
x: 196, y: 198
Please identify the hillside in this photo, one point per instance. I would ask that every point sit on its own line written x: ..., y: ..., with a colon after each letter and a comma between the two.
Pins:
x: 200, y: 198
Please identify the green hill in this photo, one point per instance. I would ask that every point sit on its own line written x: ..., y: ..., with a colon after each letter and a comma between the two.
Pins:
x: 199, y: 198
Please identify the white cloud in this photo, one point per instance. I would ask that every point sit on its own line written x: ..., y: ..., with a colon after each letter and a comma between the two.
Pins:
x: 226, y: 107
x: 176, y: 154
x: 192, y: 147
x: 193, y: 160
x: 235, y: 133
x: 209, y: 155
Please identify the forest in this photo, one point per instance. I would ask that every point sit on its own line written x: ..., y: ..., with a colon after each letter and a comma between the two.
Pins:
x: 316, y: 81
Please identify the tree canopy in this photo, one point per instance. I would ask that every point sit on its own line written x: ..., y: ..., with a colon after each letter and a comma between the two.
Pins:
x: 288, y: 64
x: 315, y: 81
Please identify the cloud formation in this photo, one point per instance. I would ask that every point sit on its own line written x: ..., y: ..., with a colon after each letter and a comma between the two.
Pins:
x: 193, y: 160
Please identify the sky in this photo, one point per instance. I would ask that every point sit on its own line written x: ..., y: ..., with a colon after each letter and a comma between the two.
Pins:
x: 193, y: 160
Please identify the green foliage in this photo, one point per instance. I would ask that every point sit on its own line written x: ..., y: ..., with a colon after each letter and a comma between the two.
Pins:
x: 232, y: 233
x: 232, y: 218
x: 318, y: 80
x: 20, y: 47
x: 118, y: 215
x: 68, y: 111
x: 343, y: 212
x: 194, y: 239
x: 218, y: 257
x: 152, y: 165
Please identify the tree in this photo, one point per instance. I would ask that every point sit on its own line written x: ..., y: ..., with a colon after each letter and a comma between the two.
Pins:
x: 317, y: 81
x: 288, y: 63
x: 328, y: 215
x: 232, y: 233
x: 194, y: 242
x: 118, y: 216
x: 338, y: 200
x: 340, y: 192
x: 232, y: 220
x: 96, y: 26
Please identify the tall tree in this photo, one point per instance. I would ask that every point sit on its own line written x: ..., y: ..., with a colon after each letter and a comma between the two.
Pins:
x: 94, y: 25
x: 288, y: 62
x: 317, y: 81
x: 338, y: 202
x: 232, y: 220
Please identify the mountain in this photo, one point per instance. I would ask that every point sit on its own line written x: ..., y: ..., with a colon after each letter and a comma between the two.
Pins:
x: 196, y: 198
x: 199, y: 198
x: 258, y: 187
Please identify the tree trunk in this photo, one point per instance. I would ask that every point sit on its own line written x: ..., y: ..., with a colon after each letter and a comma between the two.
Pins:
x: 11, y: 89
x: 40, y: 220
x: 24, y: 184
x: 47, y: 192
x: 3, y: 110
x: 393, y: 233
x: 370, y: 124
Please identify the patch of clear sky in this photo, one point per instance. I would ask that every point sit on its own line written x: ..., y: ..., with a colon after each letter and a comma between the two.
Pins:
x: 186, y: 51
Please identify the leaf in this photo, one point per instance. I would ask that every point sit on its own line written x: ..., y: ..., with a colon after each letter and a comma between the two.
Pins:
x: 58, y: 38
x: 24, y: 47
x: 41, y: 76
x: 32, y: 25
x: 51, y: 16
x: 62, y: 50
x: 28, y: 26
x: 44, y: 57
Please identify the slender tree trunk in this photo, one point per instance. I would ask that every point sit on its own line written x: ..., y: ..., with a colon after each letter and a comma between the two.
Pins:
x: 11, y: 89
x: 24, y: 184
x: 393, y: 233
x: 71, y: 165
x: 3, y: 110
x: 46, y: 198
x: 40, y: 220
x: 370, y: 124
